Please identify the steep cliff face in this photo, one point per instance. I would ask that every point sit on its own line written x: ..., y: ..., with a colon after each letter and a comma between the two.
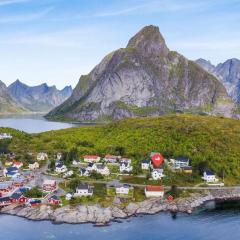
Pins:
x: 40, y: 98
x: 145, y: 78
x: 228, y: 73
x: 7, y: 103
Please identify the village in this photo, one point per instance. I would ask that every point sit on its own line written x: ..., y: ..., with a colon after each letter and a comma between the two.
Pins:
x: 52, y: 181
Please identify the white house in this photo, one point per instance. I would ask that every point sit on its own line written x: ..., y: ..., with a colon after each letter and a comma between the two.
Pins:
x: 42, y: 156
x: 5, y: 136
x: 209, y: 176
x: 17, y: 164
x: 61, y: 168
x: 126, y: 160
x: 75, y: 162
x: 84, y: 172
x: 68, y: 196
x: 123, y: 189
x: 157, y: 173
x: 91, y: 167
x: 102, y: 169
x: 33, y: 165
x: 59, y: 156
x: 145, y: 164
x: 111, y: 158
x: 68, y: 174
x: 180, y: 162
x: 83, y: 190
x: 154, y: 191
x: 125, y: 167
x: 91, y: 158
x: 11, y: 172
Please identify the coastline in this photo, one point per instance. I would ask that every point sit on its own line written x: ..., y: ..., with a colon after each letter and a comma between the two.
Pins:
x: 101, y: 216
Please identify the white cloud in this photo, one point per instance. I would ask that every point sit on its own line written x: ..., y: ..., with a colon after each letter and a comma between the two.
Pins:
x: 25, y: 17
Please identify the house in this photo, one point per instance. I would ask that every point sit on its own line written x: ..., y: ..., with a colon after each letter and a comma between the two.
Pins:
x: 180, y: 162
x: 157, y: 159
x: 83, y: 190
x: 49, y: 185
x: 187, y: 169
x: 84, y: 172
x: 6, y: 187
x: 91, y: 167
x: 68, y: 174
x: 125, y: 167
x: 102, y: 169
x: 154, y: 191
x: 68, y: 196
x: 8, y: 163
x: 157, y: 173
x: 60, y: 168
x: 111, y: 158
x: 33, y: 165
x: 123, y: 189
x: 11, y: 172
x: 5, y: 136
x: 42, y: 156
x: 18, y: 198
x: 145, y: 164
x: 17, y: 164
x: 55, y: 200
x: 35, y: 203
x: 75, y: 162
x: 5, y: 201
x: 126, y: 160
x: 209, y: 176
x: 11, y: 155
x: 91, y: 158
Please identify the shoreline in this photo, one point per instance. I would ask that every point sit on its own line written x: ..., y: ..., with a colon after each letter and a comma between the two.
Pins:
x: 100, y: 216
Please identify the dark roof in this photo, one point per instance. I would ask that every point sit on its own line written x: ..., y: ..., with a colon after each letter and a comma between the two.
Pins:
x: 12, y: 169
x: 146, y: 161
x: 54, y: 197
x: 187, y: 168
x: 83, y: 186
x: 182, y: 159
x: 16, y: 195
x: 4, y: 199
x: 35, y: 201
x: 209, y: 172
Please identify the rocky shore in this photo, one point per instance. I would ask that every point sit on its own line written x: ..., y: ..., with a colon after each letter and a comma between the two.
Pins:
x: 101, y: 216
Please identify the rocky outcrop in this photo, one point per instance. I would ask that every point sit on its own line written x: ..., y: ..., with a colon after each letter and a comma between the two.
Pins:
x: 144, y: 79
x: 228, y: 73
x: 7, y: 103
x: 99, y: 215
x: 41, y: 98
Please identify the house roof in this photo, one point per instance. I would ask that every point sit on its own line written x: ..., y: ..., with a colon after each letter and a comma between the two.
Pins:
x: 4, y: 199
x: 209, y: 172
x: 12, y: 169
x: 146, y: 161
x: 83, y: 186
x: 54, y: 197
x: 91, y: 156
x: 49, y: 182
x: 182, y: 159
x: 150, y: 188
x: 16, y: 195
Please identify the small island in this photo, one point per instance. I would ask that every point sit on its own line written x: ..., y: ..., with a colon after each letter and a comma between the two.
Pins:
x: 113, y: 171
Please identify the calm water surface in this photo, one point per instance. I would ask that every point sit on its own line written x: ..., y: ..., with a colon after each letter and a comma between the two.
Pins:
x: 33, y: 123
x: 208, y: 224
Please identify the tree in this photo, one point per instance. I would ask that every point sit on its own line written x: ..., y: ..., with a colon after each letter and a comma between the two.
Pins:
x: 120, y: 150
x: 174, y: 191
x: 33, y: 193
x: 96, y: 175
x: 51, y: 165
x: 202, y: 166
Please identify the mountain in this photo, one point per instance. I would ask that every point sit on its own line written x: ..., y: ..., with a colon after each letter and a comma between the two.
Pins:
x: 41, y: 98
x: 7, y: 103
x: 145, y: 78
x: 228, y: 73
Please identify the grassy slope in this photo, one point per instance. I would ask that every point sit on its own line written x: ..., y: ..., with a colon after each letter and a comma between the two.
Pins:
x: 201, y: 138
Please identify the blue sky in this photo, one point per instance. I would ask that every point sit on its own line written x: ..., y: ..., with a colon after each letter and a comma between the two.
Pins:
x: 55, y: 41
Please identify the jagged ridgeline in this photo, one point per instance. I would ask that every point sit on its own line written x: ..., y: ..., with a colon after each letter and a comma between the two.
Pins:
x: 144, y: 79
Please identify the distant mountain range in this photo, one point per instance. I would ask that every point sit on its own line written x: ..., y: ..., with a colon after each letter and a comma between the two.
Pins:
x: 144, y: 79
x: 7, y: 103
x: 21, y: 97
x: 228, y: 73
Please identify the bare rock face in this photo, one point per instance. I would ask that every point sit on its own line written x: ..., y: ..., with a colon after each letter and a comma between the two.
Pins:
x: 144, y: 79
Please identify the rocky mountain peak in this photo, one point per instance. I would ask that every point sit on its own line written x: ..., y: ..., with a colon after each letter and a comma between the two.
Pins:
x: 149, y: 42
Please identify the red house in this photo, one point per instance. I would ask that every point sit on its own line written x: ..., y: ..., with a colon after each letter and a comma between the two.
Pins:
x: 4, y: 201
x: 54, y: 200
x: 18, y: 198
x: 49, y: 185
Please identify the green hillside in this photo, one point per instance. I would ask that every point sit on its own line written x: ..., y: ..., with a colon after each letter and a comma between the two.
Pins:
x: 206, y: 140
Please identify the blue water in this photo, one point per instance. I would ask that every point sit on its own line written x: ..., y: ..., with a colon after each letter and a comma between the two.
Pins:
x: 33, y: 123
x: 205, y: 225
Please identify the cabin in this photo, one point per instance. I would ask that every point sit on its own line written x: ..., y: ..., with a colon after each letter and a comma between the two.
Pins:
x: 145, y: 164
x: 83, y: 190
x: 54, y: 200
x: 84, y: 172
x: 5, y: 201
x: 60, y: 168
x: 180, y: 162
x: 187, y: 169
x: 35, y: 203
x: 5, y: 136
x: 33, y: 165
x: 157, y: 173
x: 125, y: 167
x: 154, y: 191
x: 91, y: 158
x: 209, y: 176
x: 42, y: 156
x: 17, y: 164
x: 111, y: 158
x: 49, y: 185
x: 18, y: 198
